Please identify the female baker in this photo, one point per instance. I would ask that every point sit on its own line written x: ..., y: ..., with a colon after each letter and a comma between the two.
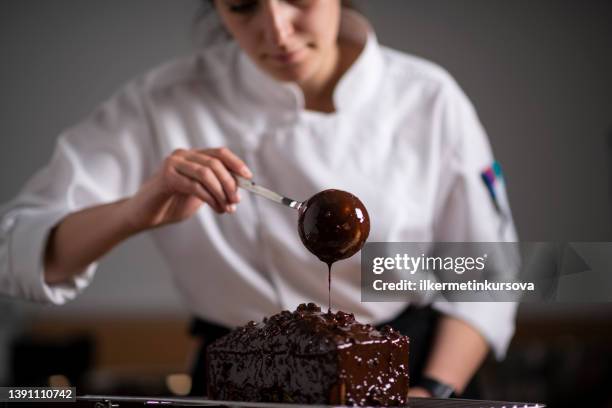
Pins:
x: 302, y: 97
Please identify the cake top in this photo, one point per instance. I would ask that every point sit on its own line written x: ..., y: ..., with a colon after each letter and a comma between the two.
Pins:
x: 307, y: 330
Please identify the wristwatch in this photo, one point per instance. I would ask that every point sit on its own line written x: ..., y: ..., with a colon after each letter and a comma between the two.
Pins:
x: 436, y: 388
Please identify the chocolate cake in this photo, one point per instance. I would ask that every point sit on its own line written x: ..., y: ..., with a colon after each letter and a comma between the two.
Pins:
x: 310, y: 357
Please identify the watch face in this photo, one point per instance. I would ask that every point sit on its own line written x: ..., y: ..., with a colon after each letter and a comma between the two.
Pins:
x: 446, y: 392
x: 436, y: 388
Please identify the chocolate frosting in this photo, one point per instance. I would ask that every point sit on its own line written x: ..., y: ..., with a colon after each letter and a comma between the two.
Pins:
x: 308, y: 356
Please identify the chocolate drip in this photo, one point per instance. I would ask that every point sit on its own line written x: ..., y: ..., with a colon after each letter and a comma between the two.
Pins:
x: 333, y: 225
x: 329, y: 287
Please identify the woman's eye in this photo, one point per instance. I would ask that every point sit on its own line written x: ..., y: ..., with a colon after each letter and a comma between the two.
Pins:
x: 243, y: 7
x: 299, y: 3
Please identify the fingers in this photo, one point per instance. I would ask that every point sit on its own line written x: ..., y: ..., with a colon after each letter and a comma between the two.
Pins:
x: 225, y: 178
x: 208, y: 175
x: 183, y: 184
x: 230, y: 160
x: 186, y: 185
x: 207, y: 178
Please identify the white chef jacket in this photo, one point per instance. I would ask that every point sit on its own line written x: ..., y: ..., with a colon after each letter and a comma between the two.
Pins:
x: 404, y: 139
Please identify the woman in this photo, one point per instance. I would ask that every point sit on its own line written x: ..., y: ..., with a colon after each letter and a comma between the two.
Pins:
x: 302, y: 98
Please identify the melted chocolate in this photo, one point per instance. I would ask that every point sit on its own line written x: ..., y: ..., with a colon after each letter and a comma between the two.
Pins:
x: 310, y: 357
x: 333, y: 225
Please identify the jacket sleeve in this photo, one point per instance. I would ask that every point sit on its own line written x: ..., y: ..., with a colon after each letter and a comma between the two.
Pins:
x: 100, y: 160
x: 471, y: 209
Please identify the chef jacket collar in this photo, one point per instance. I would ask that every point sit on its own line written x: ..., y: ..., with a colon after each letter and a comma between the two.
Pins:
x: 355, y: 87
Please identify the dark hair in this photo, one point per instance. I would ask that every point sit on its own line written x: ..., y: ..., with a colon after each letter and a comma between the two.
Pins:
x: 206, y: 7
x: 207, y: 10
x: 345, y: 3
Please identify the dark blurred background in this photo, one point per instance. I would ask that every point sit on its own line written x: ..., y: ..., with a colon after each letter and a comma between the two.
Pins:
x: 538, y: 72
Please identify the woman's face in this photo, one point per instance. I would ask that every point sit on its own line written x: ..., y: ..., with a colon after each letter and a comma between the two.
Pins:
x: 292, y: 40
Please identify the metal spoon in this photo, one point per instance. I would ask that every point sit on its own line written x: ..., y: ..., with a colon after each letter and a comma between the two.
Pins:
x: 332, y: 224
x: 267, y: 193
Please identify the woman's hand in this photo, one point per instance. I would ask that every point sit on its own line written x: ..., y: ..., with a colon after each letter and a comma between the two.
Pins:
x: 187, y: 180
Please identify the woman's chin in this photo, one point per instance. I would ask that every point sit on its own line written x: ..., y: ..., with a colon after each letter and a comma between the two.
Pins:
x: 291, y: 77
x: 290, y: 72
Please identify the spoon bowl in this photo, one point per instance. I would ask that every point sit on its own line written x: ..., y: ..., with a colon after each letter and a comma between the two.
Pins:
x: 333, y: 225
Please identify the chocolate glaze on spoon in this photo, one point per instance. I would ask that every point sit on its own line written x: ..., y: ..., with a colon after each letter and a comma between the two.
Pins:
x: 333, y: 225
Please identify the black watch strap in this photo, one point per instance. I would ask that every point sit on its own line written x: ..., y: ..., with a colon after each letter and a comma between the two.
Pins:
x: 436, y: 388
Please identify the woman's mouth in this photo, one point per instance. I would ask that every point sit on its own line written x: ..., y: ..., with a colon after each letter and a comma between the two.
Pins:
x: 290, y: 57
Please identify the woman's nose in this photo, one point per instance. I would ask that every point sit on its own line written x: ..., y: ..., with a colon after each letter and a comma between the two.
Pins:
x: 277, y: 22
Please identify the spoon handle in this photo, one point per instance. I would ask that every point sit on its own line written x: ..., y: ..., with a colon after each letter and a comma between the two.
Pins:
x: 266, y: 193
